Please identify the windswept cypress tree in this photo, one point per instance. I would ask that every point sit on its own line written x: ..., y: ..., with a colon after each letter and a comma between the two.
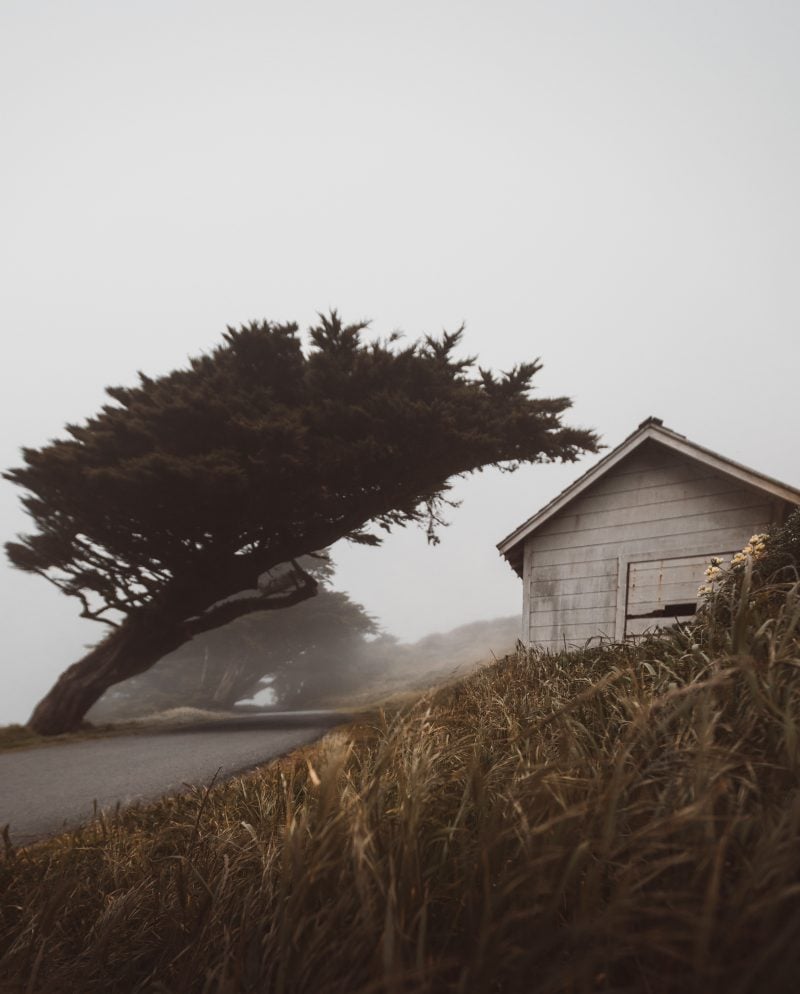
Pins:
x: 187, y: 502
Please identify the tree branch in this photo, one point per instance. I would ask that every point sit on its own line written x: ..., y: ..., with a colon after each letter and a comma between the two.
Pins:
x: 232, y: 609
x: 66, y: 587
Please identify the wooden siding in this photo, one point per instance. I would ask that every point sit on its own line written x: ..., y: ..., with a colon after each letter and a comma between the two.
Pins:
x: 654, y: 584
x: 654, y: 505
x: 664, y: 586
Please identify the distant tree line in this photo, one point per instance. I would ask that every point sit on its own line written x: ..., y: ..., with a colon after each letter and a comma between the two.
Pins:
x: 321, y: 650
x: 302, y: 652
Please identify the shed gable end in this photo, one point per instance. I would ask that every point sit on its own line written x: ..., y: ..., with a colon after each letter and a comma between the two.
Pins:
x: 653, y: 505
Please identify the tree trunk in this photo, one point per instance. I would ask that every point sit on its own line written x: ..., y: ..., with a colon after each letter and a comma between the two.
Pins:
x: 150, y: 634
x: 128, y: 650
x: 236, y: 683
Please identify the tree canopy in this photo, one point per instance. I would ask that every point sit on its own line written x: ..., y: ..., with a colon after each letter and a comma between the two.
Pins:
x: 187, y: 489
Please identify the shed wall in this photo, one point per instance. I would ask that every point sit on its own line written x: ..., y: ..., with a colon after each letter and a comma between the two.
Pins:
x: 654, y: 504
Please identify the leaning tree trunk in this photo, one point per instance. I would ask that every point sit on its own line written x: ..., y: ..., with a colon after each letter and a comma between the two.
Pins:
x: 126, y: 651
x: 149, y: 635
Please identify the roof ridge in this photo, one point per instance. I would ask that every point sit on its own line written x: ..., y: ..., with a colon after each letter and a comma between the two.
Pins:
x: 651, y: 428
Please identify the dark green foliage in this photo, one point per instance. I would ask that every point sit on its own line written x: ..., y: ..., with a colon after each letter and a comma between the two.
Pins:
x: 264, y: 452
x: 190, y: 488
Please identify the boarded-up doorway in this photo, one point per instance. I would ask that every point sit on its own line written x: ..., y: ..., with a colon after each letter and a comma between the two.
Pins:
x: 661, y: 592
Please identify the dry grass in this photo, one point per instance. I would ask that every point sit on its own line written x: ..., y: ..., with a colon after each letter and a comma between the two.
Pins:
x: 620, y: 819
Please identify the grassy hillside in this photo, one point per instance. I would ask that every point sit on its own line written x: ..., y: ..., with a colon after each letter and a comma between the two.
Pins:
x: 618, y: 819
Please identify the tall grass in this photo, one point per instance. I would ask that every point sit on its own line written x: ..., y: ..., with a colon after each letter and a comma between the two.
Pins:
x: 621, y: 818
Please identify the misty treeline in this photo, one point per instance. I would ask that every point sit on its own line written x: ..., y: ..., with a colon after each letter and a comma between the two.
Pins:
x: 324, y: 650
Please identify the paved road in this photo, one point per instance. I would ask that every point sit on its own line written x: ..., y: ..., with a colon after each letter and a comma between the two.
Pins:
x: 47, y: 789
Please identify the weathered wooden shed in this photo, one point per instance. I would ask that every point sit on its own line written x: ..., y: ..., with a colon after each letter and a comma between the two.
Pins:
x: 624, y: 549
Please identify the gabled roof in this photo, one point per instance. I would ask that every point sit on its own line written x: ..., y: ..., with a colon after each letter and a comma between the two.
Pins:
x: 652, y: 429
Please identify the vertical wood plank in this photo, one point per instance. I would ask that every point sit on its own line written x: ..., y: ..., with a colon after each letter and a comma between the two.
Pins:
x: 622, y: 598
x: 527, y: 580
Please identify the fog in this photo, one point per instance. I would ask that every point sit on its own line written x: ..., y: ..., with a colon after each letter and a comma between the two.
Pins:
x: 611, y: 187
x: 324, y: 652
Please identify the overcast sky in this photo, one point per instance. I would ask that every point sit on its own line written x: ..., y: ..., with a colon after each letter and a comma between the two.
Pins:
x: 610, y: 186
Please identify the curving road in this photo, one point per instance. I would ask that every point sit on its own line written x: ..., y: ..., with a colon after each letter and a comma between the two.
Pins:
x: 52, y: 788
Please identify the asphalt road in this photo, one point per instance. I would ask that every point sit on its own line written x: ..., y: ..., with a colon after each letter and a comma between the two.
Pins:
x: 48, y: 789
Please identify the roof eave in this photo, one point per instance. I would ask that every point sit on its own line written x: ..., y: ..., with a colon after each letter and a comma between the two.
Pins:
x: 669, y: 439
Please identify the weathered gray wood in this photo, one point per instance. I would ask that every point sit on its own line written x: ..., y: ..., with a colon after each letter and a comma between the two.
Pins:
x: 675, y: 489
x: 574, y: 602
x: 575, y: 570
x: 678, y: 567
x: 567, y: 581
x: 680, y: 543
x: 623, y: 566
x: 665, y: 580
x: 663, y: 476
x: 694, y: 535
x: 582, y: 587
x: 662, y: 594
x: 627, y: 530
x: 647, y: 579
x: 527, y: 583
x: 567, y: 620
x: 613, y: 517
x: 555, y: 633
